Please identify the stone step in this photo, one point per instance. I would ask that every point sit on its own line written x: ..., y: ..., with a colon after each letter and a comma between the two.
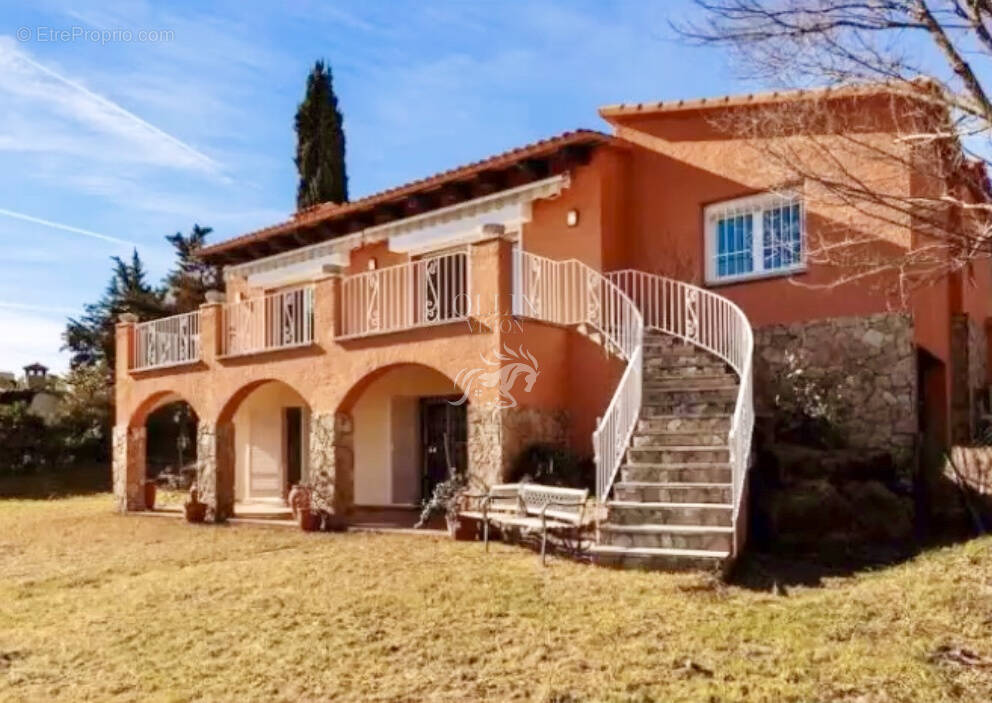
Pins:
x: 689, y: 392
x: 685, y: 423
x: 720, y: 539
x: 700, y: 472
x: 666, y: 358
x: 681, y: 454
x: 680, y: 366
x: 693, y: 382
x: 652, y: 409
x: 647, y: 439
x: 657, y: 559
x: 651, y: 492
x: 636, y: 513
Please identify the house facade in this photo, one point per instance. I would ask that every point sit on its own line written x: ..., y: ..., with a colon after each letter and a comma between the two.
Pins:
x: 636, y: 297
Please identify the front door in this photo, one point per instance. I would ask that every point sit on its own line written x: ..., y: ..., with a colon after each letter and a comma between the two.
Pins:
x: 444, y: 441
x: 294, y: 447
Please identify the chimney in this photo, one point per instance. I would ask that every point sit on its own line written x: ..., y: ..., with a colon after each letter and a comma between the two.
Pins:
x: 36, y: 375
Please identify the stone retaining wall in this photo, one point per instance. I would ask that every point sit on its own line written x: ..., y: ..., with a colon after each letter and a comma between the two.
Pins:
x: 968, y: 361
x: 873, y: 355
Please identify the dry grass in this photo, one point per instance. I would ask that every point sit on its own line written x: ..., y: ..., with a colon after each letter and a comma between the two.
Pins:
x: 97, y: 607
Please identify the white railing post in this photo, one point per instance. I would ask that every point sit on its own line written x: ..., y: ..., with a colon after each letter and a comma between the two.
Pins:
x: 281, y: 320
x: 572, y: 293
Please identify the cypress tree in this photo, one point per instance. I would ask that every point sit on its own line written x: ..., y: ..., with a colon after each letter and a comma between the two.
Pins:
x: 320, y: 143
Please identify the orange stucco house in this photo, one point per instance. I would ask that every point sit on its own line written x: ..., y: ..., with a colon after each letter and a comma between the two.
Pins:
x: 632, y: 296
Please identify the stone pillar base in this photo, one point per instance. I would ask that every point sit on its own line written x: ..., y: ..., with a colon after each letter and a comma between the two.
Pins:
x: 332, y: 464
x: 129, y: 467
x: 215, y: 469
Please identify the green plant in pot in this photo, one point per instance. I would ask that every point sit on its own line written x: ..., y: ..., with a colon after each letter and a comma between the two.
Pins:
x: 449, y: 497
x: 312, y: 505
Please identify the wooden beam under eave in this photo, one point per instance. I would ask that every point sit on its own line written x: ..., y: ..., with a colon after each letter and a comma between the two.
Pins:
x: 454, y: 193
x: 418, y: 203
x: 486, y: 182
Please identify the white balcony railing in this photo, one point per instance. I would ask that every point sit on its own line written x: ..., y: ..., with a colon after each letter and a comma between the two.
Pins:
x: 280, y: 320
x: 422, y: 293
x: 169, y: 341
x: 716, y: 324
x: 571, y: 293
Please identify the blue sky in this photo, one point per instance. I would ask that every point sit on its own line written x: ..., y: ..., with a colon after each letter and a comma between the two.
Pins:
x: 106, y: 146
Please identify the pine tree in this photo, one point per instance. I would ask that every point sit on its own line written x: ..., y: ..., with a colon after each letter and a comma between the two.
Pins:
x: 91, y: 337
x: 187, y: 284
x: 320, y: 143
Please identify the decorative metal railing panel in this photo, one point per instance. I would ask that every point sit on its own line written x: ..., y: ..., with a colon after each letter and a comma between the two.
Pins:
x: 169, y: 341
x: 571, y: 293
x: 280, y: 320
x: 421, y: 293
x: 716, y: 324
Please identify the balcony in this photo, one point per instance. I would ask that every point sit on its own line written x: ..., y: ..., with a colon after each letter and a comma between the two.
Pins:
x: 422, y: 293
x: 169, y: 341
x: 283, y: 320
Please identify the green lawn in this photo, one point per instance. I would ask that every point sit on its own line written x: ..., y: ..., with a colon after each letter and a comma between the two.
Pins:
x: 98, y: 607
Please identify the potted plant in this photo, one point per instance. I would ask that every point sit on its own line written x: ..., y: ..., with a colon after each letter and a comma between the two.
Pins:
x: 194, y: 509
x: 150, y: 490
x: 310, y: 507
x: 449, y: 497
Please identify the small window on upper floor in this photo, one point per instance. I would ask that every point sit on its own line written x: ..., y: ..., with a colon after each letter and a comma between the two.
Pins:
x: 753, y: 237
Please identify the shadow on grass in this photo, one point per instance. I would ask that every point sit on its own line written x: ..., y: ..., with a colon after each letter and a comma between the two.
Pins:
x: 87, y: 479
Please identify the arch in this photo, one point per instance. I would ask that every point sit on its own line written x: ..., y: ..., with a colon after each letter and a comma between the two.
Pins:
x: 155, y: 401
x: 232, y: 404
x: 398, y: 429
x: 356, y: 390
x: 258, y: 447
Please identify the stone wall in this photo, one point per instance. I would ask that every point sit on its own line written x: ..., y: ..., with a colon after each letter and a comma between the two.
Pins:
x: 128, y: 467
x: 968, y: 360
x: 522, y: 427
x: 496, y: 436
x: 872, y: 358
x: 215, y: 465
x: 332, y: 463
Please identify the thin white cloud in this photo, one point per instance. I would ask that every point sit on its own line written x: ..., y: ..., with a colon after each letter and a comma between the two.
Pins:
x: 25, y: 78
x: 39, y: 308
x: 66, y: 228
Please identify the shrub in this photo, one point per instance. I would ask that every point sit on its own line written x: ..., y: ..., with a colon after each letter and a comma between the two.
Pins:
x: 810, y: 409
x: 553, y: 466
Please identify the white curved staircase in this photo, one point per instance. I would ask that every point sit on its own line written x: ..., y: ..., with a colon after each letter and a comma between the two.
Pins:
x: 673, y: 447
x: 672, y: 504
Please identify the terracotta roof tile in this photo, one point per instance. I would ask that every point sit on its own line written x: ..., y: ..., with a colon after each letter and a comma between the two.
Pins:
x: 331, y: 211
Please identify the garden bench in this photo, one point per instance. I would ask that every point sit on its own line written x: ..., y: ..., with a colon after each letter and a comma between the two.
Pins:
x: 533, y: 507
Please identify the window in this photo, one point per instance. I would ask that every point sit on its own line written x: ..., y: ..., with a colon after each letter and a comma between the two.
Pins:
x: 755, y: 236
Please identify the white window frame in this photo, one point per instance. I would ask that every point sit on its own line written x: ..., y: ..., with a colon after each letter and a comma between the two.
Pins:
x: 754, y: 205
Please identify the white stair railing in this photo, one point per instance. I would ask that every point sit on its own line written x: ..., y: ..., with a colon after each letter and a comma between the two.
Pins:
x: 168, y: 341
x: 716, y: 324
x: 571, y: 293
x: 280, y: 320
x: 421, y: 293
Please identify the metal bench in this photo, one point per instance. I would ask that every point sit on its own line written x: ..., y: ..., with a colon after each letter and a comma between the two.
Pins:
x: 533, y: 507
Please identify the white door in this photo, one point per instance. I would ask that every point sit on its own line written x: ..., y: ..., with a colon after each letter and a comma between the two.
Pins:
x: 265, y: 481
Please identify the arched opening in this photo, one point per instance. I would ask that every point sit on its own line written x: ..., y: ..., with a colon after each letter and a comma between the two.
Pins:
x: 269, y: 430
x: 170, y: 452
x: 409, y: 430
x: 155, y: 456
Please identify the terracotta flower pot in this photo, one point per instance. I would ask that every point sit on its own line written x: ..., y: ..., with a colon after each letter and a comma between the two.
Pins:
x: 309, y: 520
x: 461, y: 529
x: 195, y: 512
x: 150, y: 490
